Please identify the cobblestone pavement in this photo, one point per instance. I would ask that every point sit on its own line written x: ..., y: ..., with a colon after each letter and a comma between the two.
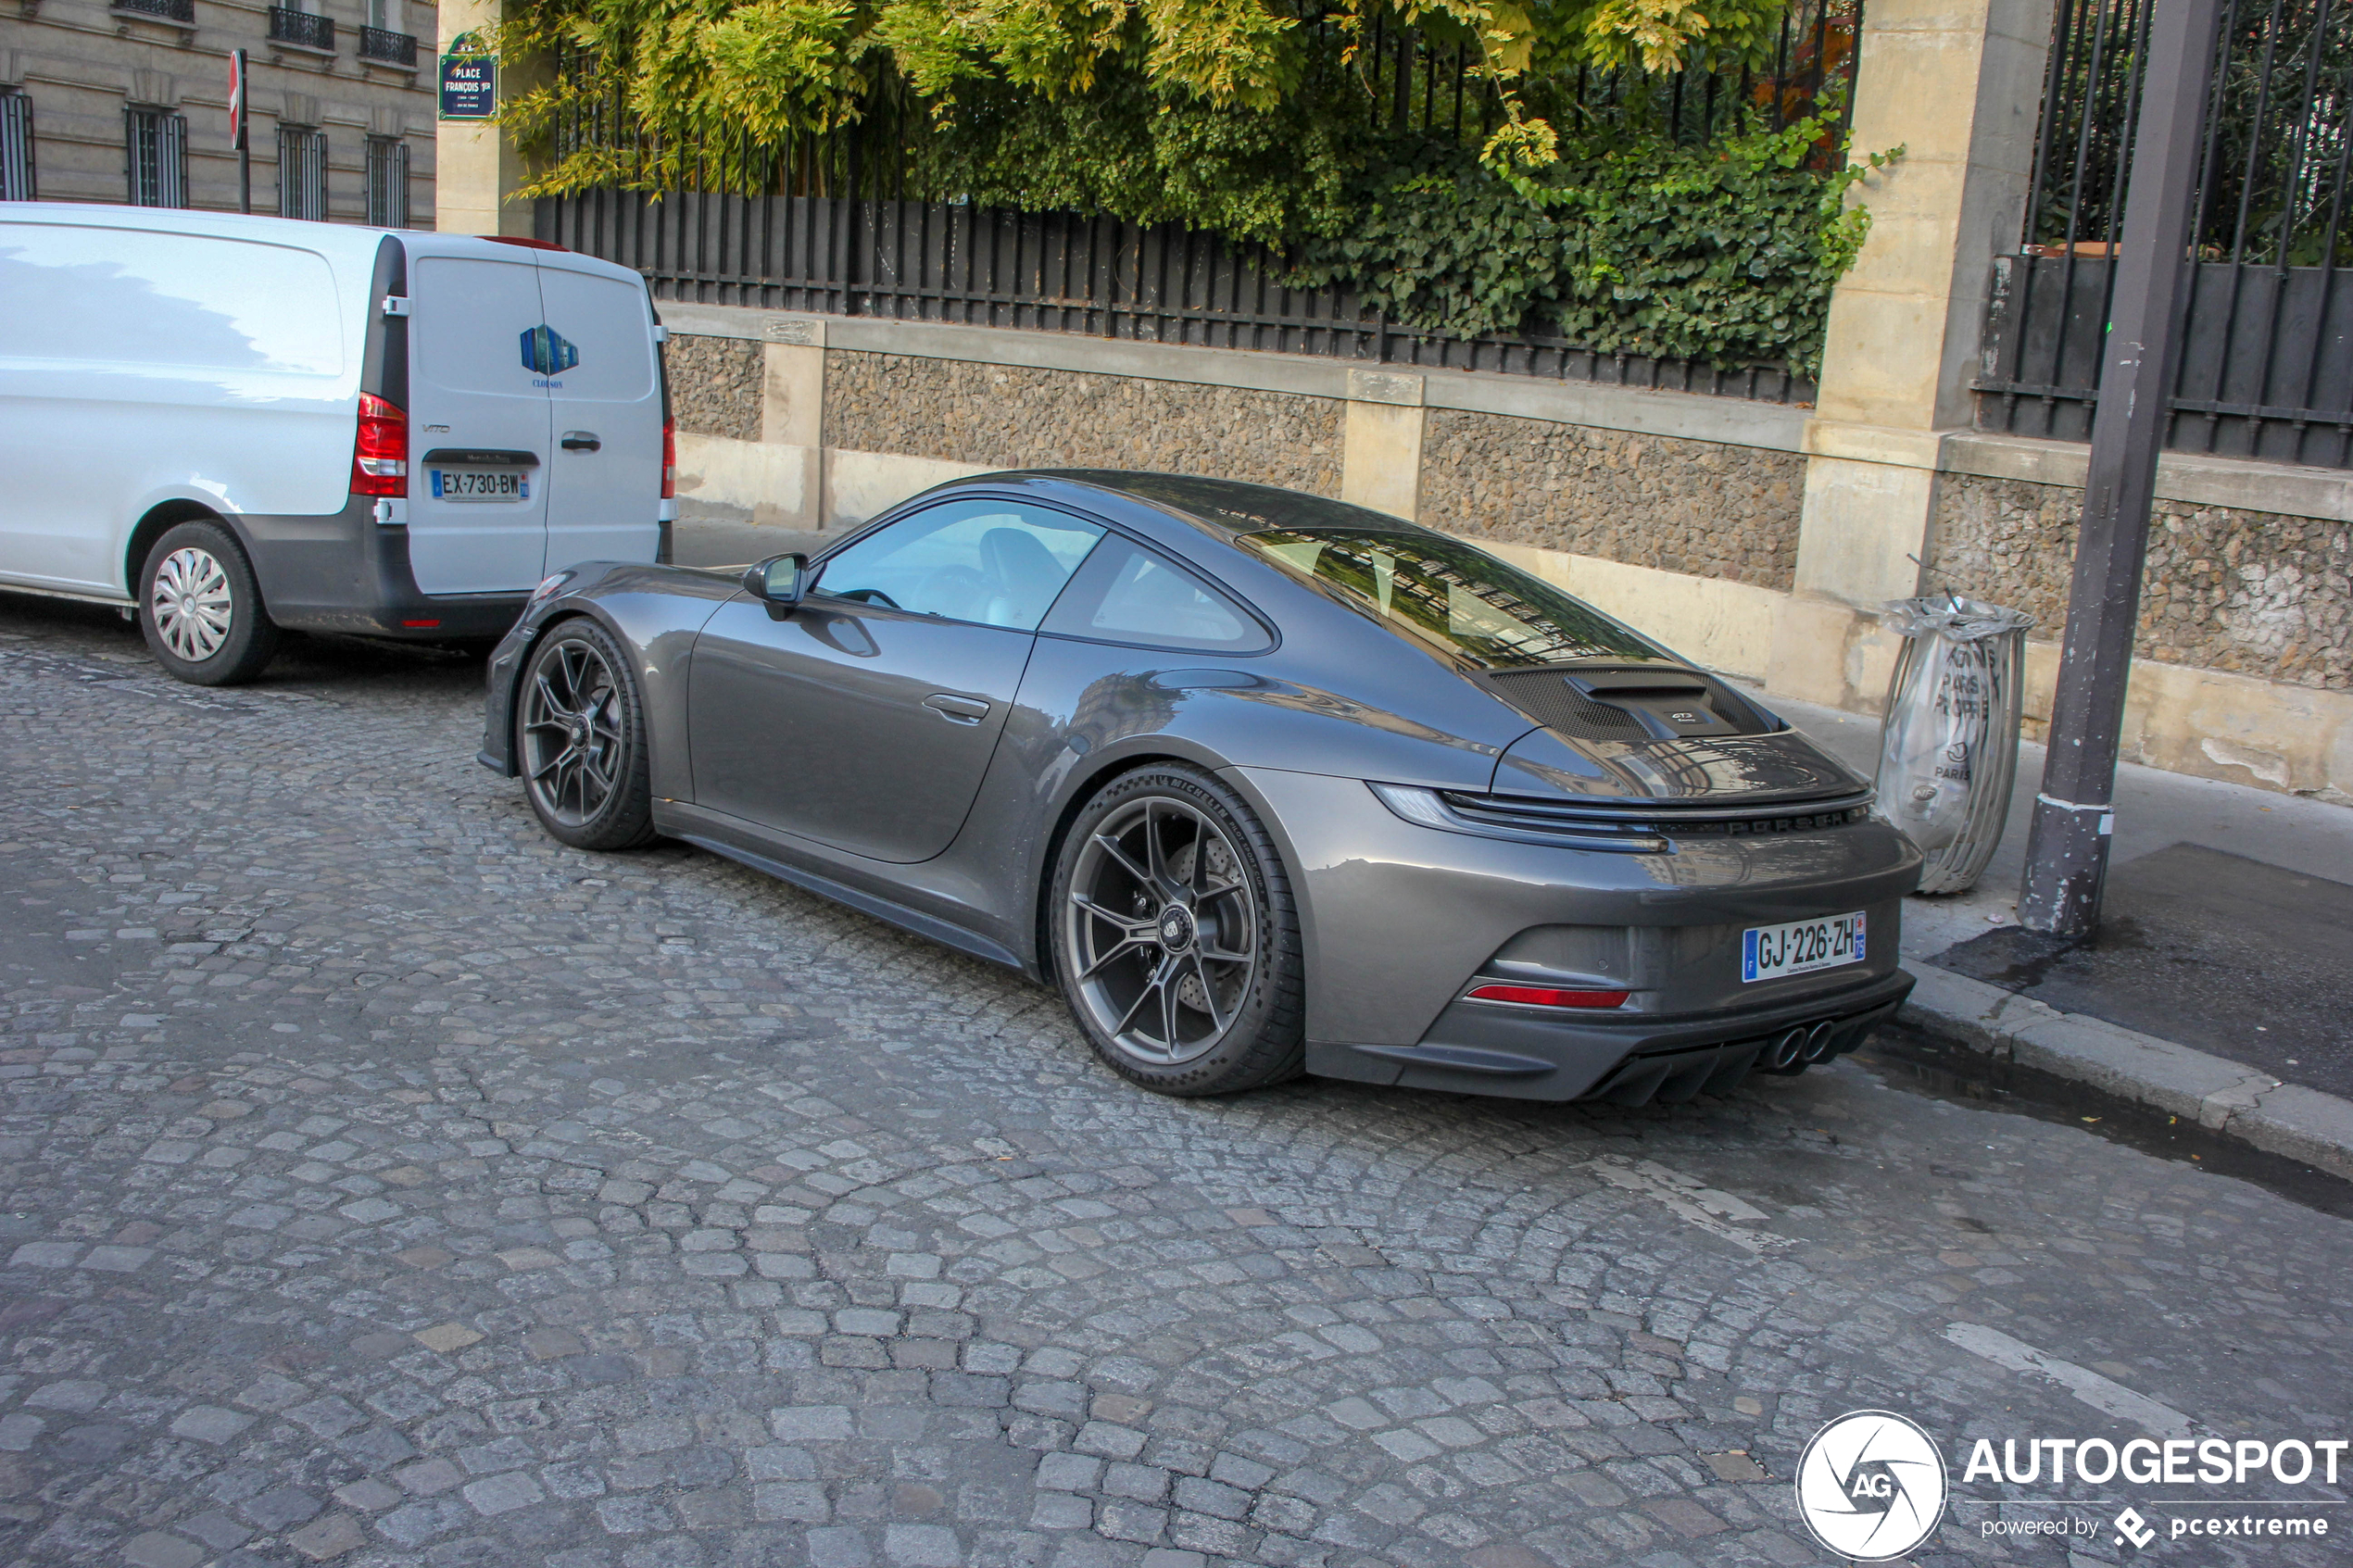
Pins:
x: 387, y: 1184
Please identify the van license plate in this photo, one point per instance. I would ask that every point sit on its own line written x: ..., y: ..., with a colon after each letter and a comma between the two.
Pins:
x: 1768, y: 952
x: 481, y: 485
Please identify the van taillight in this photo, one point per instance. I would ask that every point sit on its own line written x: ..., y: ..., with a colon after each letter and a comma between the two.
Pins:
x: 380, y: 462
x: 670, y: 459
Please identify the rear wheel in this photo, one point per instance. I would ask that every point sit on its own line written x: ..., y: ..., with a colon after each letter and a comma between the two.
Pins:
x: 1176, y: 942
x: 580, y: 737
x: 200, y: 607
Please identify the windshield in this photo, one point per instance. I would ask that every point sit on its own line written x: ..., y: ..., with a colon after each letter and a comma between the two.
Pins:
x: 1449, y: 592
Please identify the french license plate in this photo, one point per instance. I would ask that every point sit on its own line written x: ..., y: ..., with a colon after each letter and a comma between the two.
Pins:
x: 1768, y: 952
x: 481, y: 485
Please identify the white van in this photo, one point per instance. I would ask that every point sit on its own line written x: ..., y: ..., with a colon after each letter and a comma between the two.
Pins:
x: 237, y: 424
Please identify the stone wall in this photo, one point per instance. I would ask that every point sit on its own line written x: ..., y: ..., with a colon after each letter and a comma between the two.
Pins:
x: 714, y: 385
x: 1702, y: 508
x: 1015, y: 417
x: 2256, y: 592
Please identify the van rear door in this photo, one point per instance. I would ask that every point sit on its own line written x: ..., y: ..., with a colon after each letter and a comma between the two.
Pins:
x: 604, y: 481
x: 479, y: 424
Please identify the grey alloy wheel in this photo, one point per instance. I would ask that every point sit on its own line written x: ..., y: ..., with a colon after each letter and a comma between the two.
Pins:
x: 572, y: 733
x: 1161, y: 926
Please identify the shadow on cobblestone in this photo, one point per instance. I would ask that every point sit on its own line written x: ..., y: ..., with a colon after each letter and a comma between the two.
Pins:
x: 390, y: 1185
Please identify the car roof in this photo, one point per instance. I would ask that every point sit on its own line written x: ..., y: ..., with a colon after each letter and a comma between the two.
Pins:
x: 1231, y: 506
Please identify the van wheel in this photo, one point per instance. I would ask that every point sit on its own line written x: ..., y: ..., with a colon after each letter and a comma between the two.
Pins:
x: 200, y: 607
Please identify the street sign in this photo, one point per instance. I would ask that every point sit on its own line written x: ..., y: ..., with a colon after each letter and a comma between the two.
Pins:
x: 237, y: 112
x: 240, y: 124
x: 468, y: 80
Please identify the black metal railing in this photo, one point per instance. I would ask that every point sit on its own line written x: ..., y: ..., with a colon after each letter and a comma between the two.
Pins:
x: 168, y: 10
x: 2268, y: 370
x: 392, y: 48
x: 301, y: 29
x: 953, y: 262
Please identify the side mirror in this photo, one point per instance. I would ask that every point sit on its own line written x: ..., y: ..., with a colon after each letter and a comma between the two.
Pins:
x: 780, y: 580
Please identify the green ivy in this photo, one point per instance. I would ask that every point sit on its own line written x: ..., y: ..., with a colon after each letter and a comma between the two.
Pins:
x: 1724, y: 252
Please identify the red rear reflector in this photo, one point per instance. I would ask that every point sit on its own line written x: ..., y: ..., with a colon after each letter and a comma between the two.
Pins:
x: 1545, y: 996
x: 421, y: 625
x: 669, y: 459
x: 523, y: 240
x: 379, y: 453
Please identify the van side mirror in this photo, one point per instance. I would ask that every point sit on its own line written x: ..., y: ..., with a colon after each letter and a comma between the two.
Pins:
x: 780, y: 580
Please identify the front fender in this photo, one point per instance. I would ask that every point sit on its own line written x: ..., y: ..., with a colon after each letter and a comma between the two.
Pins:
x: 655, y: 613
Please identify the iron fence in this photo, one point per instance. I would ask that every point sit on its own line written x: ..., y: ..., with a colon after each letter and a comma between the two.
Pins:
x: 2268, y: 370
x: 955, y: 262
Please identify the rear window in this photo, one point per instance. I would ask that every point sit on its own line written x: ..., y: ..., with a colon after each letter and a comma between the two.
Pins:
x: 1444, y: 592
x: 1127, y: 594
x: 135, y: 296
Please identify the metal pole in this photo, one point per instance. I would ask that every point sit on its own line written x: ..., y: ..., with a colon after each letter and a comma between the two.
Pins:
x: 245, y: 177
x: 2067, y: 851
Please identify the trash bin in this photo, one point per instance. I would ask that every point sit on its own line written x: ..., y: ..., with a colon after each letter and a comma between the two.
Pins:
x: 1948, y: 747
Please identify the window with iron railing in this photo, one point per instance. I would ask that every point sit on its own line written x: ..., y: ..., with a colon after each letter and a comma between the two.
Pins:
x: 301, y: 29
x: 391, y: 48
x: 168, y: 10
x: 17, y: 184
x: 387, y: 182
x: 302, y: 172
x: 155, y: 148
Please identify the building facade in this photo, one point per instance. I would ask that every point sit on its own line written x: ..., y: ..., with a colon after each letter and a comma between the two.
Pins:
x: 127, y: 101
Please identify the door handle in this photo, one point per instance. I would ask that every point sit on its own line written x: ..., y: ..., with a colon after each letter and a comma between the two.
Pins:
x: 957, y: 709
x: 581, y: 440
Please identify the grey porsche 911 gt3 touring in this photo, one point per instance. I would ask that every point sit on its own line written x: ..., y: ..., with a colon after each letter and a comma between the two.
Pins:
x: 1264, y: 783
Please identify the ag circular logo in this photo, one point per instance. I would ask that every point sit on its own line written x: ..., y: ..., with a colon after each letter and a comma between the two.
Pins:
x: 1871, y: 1486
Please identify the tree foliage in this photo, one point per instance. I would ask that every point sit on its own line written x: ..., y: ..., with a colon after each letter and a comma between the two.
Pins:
x: 1548, y: 206
x: 1723, y: 252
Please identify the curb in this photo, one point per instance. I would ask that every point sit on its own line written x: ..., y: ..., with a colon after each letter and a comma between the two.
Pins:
x: 2226, y: 1097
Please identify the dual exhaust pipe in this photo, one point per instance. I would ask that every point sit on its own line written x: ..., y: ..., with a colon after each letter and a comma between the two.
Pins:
x: 1800, y: 1044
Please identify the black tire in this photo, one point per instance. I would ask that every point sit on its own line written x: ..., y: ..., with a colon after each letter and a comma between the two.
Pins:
x: 580, y: 740
x: 1197, y: 1020
x: 200, y: 607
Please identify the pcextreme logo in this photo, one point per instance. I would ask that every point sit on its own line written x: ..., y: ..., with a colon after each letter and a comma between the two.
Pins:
x: 1871, y: 1486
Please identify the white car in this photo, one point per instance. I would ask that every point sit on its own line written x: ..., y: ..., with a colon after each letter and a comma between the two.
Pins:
x: 237, y: 424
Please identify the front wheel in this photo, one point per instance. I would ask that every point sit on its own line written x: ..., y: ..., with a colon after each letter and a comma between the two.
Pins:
x: 200, y: 607
x: 580, y: 735
x: 1175, y: 938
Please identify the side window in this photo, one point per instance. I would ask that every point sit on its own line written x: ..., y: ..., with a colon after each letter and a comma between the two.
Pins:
x: 993, y: 562
x: 1129, y: 594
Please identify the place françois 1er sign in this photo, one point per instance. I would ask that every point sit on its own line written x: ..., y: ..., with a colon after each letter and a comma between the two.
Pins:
x: 468, y: 80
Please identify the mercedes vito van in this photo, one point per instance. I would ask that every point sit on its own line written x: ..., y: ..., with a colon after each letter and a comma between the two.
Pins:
x: 236, y: 424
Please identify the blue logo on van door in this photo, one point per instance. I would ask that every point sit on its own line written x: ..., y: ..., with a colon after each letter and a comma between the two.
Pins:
x: 548, y: 351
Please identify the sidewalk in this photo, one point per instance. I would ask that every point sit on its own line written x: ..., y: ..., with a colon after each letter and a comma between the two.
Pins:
x: 2218, y: 986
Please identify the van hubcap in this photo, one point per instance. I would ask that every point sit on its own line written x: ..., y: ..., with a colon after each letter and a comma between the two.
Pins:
x: 1160, y: 931
x: 192, y: 604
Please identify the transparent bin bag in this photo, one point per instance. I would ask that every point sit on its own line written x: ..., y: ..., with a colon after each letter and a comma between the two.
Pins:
x: 1948, y: 749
